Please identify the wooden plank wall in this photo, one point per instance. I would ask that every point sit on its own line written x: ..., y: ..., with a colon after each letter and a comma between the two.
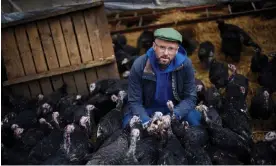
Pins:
x: 60, y: 41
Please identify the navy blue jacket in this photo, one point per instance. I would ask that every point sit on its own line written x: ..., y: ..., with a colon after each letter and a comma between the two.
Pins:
x: 142, y: 87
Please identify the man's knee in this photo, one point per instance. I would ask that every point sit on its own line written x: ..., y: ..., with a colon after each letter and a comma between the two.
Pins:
x: 193, y: 118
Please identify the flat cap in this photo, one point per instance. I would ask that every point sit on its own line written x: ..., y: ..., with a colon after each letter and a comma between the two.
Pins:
x: 168, y: 34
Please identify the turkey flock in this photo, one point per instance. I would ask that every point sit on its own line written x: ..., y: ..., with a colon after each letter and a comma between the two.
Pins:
x: 67, y: 129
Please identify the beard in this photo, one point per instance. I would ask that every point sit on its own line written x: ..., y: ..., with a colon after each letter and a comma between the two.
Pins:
x: 164, y: 60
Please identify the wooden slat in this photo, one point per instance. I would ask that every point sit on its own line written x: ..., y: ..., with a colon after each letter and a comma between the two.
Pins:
x: 46, y: 86
x: 91, y: 76
x: 49, y: 51
x: 38, y: 56
x: 81, y: 82
x: 10, y: 54
x: 82, y: 37
x: 57, y: 82
x: 61, y: 49
x: 59, y: 42
x: 74, y: 55
x: 72, y: 49
x: 62, y: 70
x: 84, y: 43
x: 36, y: 48
x: 48, y: 45
x: 24, y: 49
x: 95, y: 40
x: 34, y: 88
x: 95, y: 44
x: 106, y: 42
x: 93, y: 33
x: 12, y: 60
x: 70, y: 40
x: 26, y: 56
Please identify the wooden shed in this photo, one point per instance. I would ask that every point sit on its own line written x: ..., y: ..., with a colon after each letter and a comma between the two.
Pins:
x: 50, y: 47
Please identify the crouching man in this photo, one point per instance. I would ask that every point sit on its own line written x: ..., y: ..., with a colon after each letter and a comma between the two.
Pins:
x: 163, y: 73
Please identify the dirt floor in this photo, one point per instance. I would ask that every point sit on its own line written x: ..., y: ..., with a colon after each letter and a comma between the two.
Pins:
x: 262, y: 31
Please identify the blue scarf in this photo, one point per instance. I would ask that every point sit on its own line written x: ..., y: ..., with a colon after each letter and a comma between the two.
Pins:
x: 163, y: 91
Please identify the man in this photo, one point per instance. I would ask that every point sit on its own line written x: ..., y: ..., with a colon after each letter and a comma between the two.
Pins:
x: 163, y: 73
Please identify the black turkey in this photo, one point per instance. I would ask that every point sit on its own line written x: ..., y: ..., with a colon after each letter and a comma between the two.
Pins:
x: 16, y: 103
x: 145, y: 41
x: 213, y: 98
x: 218, y: 74
x: 222, y: 157
x: 193, y: 135
x: 101, y: 86
x: 236, y: 120
x: 233, y: 37
x: 261, y: 105
x: 200, y: 88
x: 143, y: 150
x: 112, y: 153
x: 118, y: 41
x: 45, y: 148
x: 188, y: 40
x: 79, y: 114
x: 50, y: 101
x: 226, y: 139
x: 258, y: 62
x: 69, y: 100
x: 267, y: 77
x: 263, y: 153
x: 25, y: 119
x: 197, y: 155
x: 212, y: 113
x: 122, y: 59
x: 237, y: 90
x: 111, y: 122
x: 103, y: 104
x: 187, y: 134
x: 74, y: 147
x: 206, y: 53
x: 171, y: 151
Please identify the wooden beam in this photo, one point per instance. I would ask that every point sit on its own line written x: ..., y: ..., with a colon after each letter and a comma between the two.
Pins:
x: 39, y: 15
x: 193, y: 21
x: 14, y: 5
x: 62, y: 70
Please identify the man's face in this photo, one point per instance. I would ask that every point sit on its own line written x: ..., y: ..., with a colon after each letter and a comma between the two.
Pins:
x: 165, y: 51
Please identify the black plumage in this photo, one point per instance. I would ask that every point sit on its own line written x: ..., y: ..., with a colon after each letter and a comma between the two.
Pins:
x: 200, y: 88
x: 112, y: 153
x: 263, y: 154
x: 213, y: 98
x: 171, y: 152
x: 218, y: 74
x: 145, y: 41
x: 258, y: 62
x: 206, y: 53
x: 261, y: 105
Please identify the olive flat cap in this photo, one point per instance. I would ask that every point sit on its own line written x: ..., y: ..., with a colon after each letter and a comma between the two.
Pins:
x: 168, y: 34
